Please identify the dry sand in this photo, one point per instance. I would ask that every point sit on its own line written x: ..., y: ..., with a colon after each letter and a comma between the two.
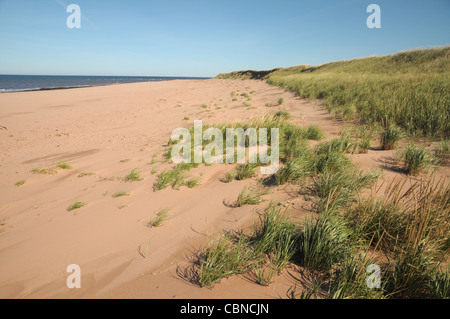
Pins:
x: 108, y: 131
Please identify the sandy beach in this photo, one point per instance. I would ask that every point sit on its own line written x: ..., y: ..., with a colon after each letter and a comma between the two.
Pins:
x: 103, y: 133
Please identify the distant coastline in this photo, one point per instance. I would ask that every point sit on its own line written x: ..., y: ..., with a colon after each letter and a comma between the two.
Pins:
x: 29, y: 83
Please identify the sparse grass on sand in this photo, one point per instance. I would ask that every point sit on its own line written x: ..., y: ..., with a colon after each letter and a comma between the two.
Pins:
x: 249, y: 197
x: 245, y: 171
x: 417, y: 159
x: 63, y: 165
x: 391, y: 136
x: 175, y: 177
x: 282, y: 115
x: 120, y: 194
x: 76, y: 205
x: 133, y: 176
x: 193, y: 182
x: 229, y: 177
x: 44, y: 171
x: 85, y: 174
x: 20, y: 183
x: 161, y: 216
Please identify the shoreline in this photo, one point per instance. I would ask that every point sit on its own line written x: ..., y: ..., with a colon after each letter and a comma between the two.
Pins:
x: 156, y: 79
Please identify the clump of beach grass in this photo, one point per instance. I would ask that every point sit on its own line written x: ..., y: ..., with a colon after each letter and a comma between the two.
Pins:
x: 63, y: 165
x: 44, y: 171
x: 410, y: 225
x: 174, y: 177
x: 390, y: 137
x: 76, y: 205
x: 275, y: 236
x: 85, y: 174
x: 245, y: 171
x: 314, y: 132
x: 249, y: 197
x: 223, y: 258
x: 193, y: 182
x: 322, y: 242
x: 133, y: 176
x: 161, y: 216
x: 282, y: 115
x: 439, y: 284
x: 417, y: 159
x: 229, y: 177
x: 20, y: 183
x: 120, y: 194
x: 365, y: 144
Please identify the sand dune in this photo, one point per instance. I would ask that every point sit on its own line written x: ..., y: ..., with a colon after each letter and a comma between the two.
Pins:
x: 106, y: 132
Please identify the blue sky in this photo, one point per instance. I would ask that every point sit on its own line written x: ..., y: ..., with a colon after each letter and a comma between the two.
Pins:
x: 207, y: 37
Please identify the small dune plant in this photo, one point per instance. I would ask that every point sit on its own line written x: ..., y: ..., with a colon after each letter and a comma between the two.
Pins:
x: 64, y: 165
x: 20, y: 183
x: 85, y: 174
x: 245, y: 171
x: 76, y: 205
x: 161, y: 216
x: 417, y: 159
x: 390, y: 137
x: 193, y: 182
x: 120, y: 194
x: 249, y: 197
x: 44, y: 171
x: 314, y: 132
x: 133, y: 176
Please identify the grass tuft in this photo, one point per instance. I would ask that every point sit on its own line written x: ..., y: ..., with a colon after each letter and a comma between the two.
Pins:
x: 314, y: 132
x: 417, y: 159
x: 245, y: 171
x: 133, y: 176
x: 20, y: 183
x: 85, y: 174
x: 391, y: 136
x: 249, y: 197
x: 63, y: 165
x: 161, y: 216
x: 76, y: 205
x: 44, y: 171
x: 120, y: 194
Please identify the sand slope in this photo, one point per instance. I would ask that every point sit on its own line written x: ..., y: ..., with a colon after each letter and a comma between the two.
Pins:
x: 108, y: 131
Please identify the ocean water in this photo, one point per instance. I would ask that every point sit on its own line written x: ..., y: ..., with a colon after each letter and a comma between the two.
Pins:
x: 17, y: 83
